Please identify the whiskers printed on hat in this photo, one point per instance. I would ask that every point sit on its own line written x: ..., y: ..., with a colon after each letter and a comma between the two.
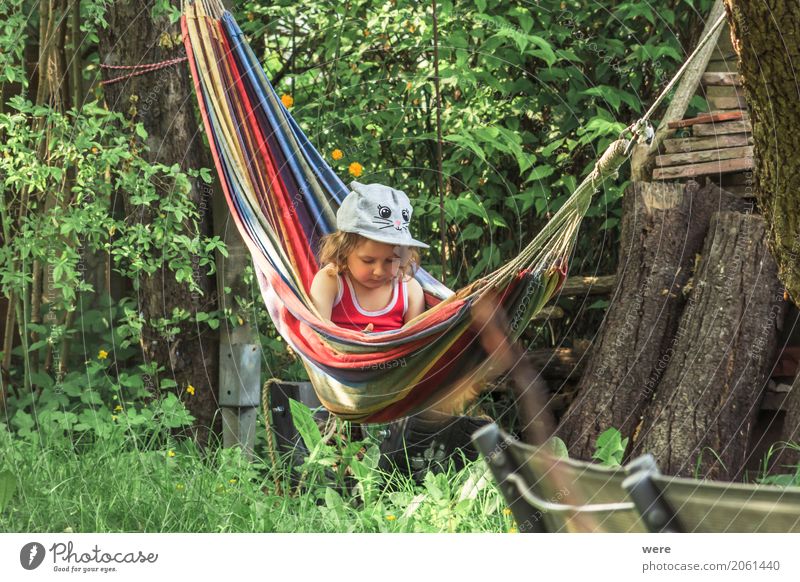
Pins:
x: 385, y: 218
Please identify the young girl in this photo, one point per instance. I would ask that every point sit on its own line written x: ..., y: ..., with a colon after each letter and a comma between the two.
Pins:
x: 367, y: 282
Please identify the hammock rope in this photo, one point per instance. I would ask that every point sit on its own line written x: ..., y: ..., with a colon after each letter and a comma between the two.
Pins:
x: 282, y: 196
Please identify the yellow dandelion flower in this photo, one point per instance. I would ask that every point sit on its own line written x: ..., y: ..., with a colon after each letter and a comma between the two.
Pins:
x: 190, y: 390
x: 355, y: 169
x: 232, y: 481
x: 513, y: 530
x: 117, y: 408
x: 241, y: 321
x: 390, y: 518
x: 170, y: 453
x: 287, y: 100
x: 337, y: 154
x: 102, y: 355
x: 95, y: 150
x: 506, y: 511
x: 114, y: 417
x: 411, y: 28
x: 180, y: 486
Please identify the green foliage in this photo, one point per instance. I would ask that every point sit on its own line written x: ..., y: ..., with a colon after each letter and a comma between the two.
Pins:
x: 530, y: 96
x: 68, y: 172
x: 610, y: 447
x: 785, y: 479
x: 8, y: 486
x: 13, y: 37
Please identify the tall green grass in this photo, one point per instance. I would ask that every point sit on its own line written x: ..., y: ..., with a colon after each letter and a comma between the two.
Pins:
x: 125, y: 485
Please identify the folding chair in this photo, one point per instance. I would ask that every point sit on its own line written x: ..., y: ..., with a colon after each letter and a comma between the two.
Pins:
x: 711, y: 506
x: 547, y: 494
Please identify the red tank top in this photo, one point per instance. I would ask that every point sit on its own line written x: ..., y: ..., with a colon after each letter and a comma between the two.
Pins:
x: 349, y: 314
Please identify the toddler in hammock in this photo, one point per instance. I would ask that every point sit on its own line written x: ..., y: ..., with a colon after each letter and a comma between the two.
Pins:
x: 367, y: 283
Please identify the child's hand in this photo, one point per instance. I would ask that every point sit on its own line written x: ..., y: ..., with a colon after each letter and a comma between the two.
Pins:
x: 368, y: 328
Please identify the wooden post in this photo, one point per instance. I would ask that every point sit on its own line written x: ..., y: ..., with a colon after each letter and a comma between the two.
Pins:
x: 239, y: 347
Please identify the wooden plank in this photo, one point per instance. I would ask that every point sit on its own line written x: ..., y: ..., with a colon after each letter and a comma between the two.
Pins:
x: 733, y: 102
x: 729, y: 79
x: 720, y: 65
x: 721, y: 91
x: 580, y: 285
x: 704, y: 156
x: 703, y: 129
x: 694, y: 170
x: 693, y: 144
x: 707, y: 118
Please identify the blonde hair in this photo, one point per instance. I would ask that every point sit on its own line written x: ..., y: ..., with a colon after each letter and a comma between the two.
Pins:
x: 337, y: 246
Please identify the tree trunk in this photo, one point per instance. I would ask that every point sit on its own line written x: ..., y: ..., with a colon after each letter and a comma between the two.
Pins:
x: 162, y: 101
x: 766, y: 37
x: 663, y: 228
x: 700, y: 421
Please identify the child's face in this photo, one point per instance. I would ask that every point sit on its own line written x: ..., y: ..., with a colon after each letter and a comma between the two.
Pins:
x: 374, y: 264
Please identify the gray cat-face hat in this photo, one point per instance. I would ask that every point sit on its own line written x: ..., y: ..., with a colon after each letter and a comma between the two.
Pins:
x: 379, y: 213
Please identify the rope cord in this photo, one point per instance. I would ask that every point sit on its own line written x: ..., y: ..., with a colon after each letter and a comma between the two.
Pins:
x: 685, y: 66
x: 139, y: 69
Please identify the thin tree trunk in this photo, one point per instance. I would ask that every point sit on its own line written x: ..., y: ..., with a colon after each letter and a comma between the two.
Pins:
x: 663, y: 228
x: 162, y: 102
x: 700, y: 422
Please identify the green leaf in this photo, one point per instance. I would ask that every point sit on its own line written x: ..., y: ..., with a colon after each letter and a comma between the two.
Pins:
x: 545, y: 51
x: 306, y: 425
x: 471, y: 232
x: 610, y: 447
x: 540, y: 172
x: 467, y: 142
x: 8, y: 486
x: 557, y: 448
x: 141, y: 131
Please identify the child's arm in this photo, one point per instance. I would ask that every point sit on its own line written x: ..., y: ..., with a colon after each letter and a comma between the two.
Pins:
x: 416, y: 300
x: 323, y: 291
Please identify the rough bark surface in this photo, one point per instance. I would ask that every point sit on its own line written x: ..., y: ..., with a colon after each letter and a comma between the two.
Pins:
x: 663, y: 228
x: 163, y: 102
x: 766, y: 38
x: 702, y: 413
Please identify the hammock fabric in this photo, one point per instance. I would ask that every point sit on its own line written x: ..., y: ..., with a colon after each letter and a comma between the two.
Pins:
x: 283, y: 197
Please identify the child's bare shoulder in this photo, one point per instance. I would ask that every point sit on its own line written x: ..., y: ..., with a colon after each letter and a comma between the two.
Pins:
x: 414, y: 288
x: 326, y: 278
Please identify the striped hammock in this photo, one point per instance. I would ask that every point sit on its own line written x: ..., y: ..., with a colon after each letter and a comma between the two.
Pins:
x: 283, y: 197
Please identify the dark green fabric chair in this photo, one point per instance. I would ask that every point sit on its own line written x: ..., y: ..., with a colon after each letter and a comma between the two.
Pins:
x: 547, y: 494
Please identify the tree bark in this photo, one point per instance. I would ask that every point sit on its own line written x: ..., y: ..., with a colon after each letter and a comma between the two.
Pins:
x: 700, y: 421
x: 163, y: 103
x: 663, y: 228
x: 766, y: 38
